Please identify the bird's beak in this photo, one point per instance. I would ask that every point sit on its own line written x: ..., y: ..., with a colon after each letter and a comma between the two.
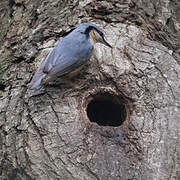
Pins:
x: 105, y: 42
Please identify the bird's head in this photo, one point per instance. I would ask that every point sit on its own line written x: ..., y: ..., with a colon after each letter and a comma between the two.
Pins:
x: 95, y: 33
x: 98, y: 37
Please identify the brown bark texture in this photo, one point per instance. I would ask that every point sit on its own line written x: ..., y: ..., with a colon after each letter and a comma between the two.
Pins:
x: 51, y: 137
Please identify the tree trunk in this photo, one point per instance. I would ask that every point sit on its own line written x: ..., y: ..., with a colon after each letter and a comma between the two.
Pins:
x: 120, y: 121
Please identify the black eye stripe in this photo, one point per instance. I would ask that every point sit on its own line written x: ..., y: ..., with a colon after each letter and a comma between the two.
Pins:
x: 101, y: 34
x: 96, y: 29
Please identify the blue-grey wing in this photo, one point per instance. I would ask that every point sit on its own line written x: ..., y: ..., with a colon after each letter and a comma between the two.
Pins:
x: 66, y: 57
x: 64, y: 67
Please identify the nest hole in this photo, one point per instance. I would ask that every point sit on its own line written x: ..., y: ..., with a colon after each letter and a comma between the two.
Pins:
x: 106, y: 110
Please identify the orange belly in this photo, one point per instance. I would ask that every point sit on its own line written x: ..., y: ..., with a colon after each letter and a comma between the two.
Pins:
x: 75, y: 72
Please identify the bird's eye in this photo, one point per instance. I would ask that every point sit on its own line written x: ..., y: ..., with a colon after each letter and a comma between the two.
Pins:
x: 101, y: 34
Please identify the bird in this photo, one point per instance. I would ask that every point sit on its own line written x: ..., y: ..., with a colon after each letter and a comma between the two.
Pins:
x: 68, y: 56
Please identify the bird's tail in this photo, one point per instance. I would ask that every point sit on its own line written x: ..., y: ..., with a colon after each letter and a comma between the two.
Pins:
x: 36, y: 87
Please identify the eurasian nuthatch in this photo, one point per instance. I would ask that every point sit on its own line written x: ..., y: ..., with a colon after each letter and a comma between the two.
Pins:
x: 70, y: 54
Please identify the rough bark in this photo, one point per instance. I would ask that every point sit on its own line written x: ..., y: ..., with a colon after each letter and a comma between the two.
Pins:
x: 50, y: 136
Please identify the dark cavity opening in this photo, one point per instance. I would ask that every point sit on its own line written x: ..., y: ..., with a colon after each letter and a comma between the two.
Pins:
x: 106, y: 110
